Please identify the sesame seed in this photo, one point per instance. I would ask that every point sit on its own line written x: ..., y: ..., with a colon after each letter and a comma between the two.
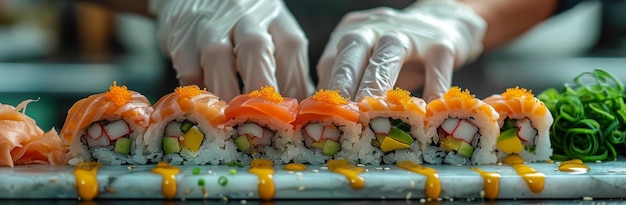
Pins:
x: 323, y: 167
x: 379, y: 168
x: 588, y: 198
x: 482, y: 193
x: 611, y: 171
x: 386, y: 168
x: 411, y: 184
x: 290, y: 172
x: 250, y: 194
x: 53, y: 179
x: 301, y: 188
x: 243, y: 202
x: 408, y: 195
x: 422, y: 200
x: 315, y: 170
x: 598, y: 161
x: 360, y: 165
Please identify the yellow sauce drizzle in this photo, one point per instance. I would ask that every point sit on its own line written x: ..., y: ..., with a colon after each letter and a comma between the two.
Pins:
x: 267, y: 92
x: 119, y: 95
x: 432, y: 187
x: 168, y: 186
x: 348, y: 170
x: 294, y: 167
x: 535, y: 180
x: 398, y: 95
x: 491, y: 184
x: 86, y: 180
x: 264, y: 169
x: 574, y: 165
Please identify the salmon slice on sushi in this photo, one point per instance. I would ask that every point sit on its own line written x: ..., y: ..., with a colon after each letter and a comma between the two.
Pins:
x: 108, y: 127
x: 391, y: 126
x: 187, y: 127
x: 524, y: 125
x: 328, y: 124
x: 460, y: 129
x: 261, y: 122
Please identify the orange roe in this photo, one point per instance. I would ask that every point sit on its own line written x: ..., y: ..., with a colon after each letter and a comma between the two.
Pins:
x: 267, y: 92
x: 330, y: 97
x: 398, y: 95
x: 187, y: 92
x: 455, y: 92
x: 119, y: 95
x: 516, y: 93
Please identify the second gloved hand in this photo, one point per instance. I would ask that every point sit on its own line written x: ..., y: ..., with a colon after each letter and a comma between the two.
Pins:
x: 210, y: 41
x: 426, y: 41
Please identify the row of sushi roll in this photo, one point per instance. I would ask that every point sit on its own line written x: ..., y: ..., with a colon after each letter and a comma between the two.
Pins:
x: 193, y: 126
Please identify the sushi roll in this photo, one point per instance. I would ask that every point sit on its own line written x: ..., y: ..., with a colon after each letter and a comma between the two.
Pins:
x: 328, y: 124
x: 261, y: 122
x: 187, y: 127
x: 392, y: 124
x: 524, y: 124
x: 460, y: 129
x: 108, y: 127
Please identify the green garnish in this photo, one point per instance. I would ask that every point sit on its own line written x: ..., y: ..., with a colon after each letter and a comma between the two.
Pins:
x: 201, y: 182
x: 222, y: 180
x: 195, y: 171
x: 400, y: 125
x: 508, y: 124
x: 234, y: 164
x: 589, y: 117
x: 233, y: 171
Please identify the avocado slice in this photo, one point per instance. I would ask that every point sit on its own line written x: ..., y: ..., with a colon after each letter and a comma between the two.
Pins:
x: 243, y: 144
x: 186, y: 125
x: 400, y: 135
x: 170, y: 145
x: 331, y: 148
x: 465, y: 149
x: 122, y: 145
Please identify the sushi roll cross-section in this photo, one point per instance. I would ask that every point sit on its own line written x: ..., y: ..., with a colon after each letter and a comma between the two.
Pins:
x: 261, y: 125
x: 524, y: 125
x: 461, y: 129
x: 187, y: 127
x: 108, y: 127
x: 392, y: 124
x: 329, y: 125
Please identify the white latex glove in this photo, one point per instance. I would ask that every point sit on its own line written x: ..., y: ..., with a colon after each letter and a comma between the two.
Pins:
x: 210, y: 41
x: 426, y: 41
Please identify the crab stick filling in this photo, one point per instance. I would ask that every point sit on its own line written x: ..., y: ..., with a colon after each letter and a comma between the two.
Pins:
x: 109, y: 134
x: 459, y: 136
x: 250, y: 137
x: 324, y: 137
x: 391, y: 134
x: 517, y: 135
x: 181, y: 135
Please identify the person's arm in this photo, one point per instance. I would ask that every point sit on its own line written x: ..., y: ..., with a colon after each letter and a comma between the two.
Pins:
x: 508, y: 20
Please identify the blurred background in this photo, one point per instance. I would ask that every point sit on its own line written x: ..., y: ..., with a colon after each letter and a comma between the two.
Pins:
x: 59, y: 51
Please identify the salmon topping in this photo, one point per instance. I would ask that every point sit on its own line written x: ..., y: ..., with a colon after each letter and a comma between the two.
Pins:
x: 267, y: 92
x: 330, y: 97
x: 398, y: 96
x: 119, y: 95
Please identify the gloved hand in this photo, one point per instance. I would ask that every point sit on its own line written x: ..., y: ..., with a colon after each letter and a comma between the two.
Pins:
x: 426, y: 41
x: 210, y: 41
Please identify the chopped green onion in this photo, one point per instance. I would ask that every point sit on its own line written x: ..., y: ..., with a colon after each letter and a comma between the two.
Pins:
x: 589, y: 117
x: 233, y: 171
x: 222, y: 180
x: 195, y: 171
x: 201, y: 182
